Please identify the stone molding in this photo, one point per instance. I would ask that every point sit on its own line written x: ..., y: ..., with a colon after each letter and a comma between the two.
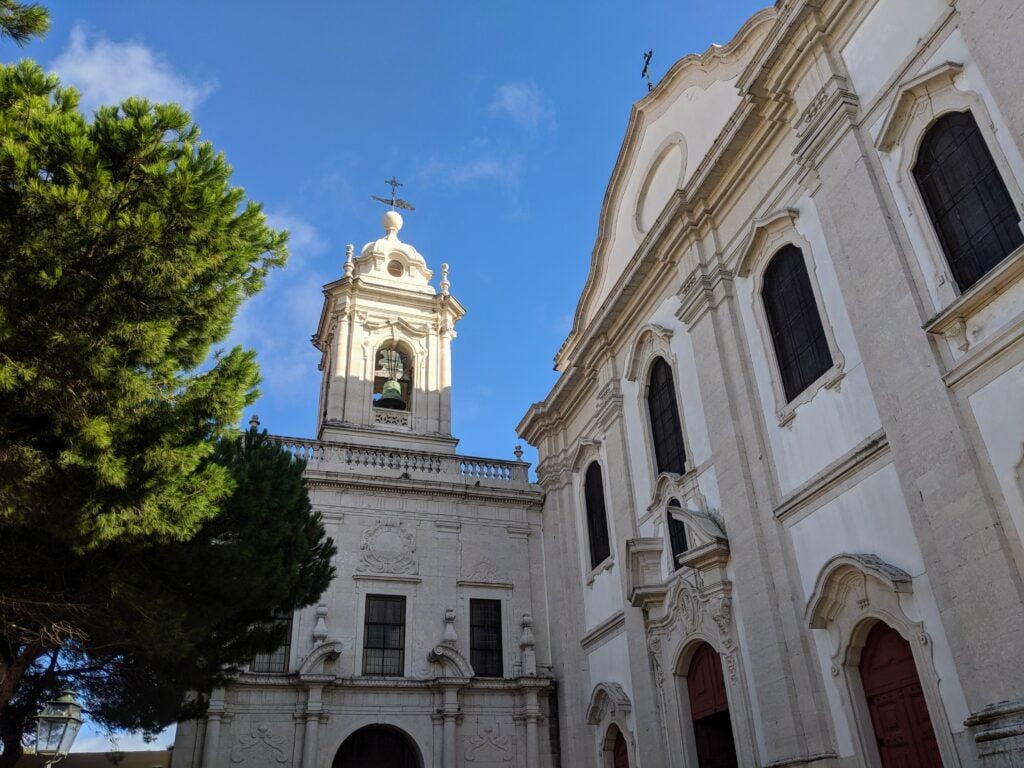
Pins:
x: 606, y: 700
x: 851, y: 594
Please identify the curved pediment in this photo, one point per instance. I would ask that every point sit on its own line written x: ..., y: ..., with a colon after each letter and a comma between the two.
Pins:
x: 606, y: 700
x: 847, y: 573
x: 692, y: 510
x: 669, y: 133
x: 318, y: 659
x: 452, y: 660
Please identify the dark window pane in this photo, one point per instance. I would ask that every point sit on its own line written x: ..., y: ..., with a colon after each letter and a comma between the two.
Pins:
x: 384, y: 636
x: 798, y: 337
x: 666, y: 427
x: 276, y: 660
x: 485, y: 638
x: 676, y: 534
x: 597, y: 521
x: 972, y: 211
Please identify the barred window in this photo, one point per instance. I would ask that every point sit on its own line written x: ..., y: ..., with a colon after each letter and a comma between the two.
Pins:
x: 972, y: 211
x: 676, y: 534
x: 798, y: 336
x: 276, y: 660
x: 485, y: 638
x: 384, y: 636
x: 666, y: 427
x: 597, y: 520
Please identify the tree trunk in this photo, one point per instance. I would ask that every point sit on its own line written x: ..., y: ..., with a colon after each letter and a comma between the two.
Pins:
x: 12, y: 750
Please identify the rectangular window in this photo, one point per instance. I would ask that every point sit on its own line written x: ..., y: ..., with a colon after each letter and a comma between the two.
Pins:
x: 276, y: 660
x: 485, y: 637
x: 384, y: 636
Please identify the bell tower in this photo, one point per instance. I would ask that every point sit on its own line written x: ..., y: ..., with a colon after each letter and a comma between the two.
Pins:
x: 385, y: 340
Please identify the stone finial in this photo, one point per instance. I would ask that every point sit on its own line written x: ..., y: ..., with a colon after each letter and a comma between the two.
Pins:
x: 320, y: 628
x: 254, y: 422
x: 392, y: 222
x: 518, y: 453
x: 445, y: 285
x: 349, y: 264
x: 448, y: 637
x: 528, y: 658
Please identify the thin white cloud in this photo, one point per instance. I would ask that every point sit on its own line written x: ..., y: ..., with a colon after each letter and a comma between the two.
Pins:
x: 479, y: 162
x: 107, y: 72
x: 524, y: 104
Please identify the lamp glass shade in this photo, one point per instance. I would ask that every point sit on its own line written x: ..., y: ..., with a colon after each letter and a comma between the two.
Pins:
x: 57, y: 726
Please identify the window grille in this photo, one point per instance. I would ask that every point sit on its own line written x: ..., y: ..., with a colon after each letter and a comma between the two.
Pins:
x: 972, y: 211
x: 384, y: 636
x: 276, y: 660
x: 676, y: 534
x: 666, y: 427
x: 485, y: 654
x: 597, y: 520
x: 798, y: 336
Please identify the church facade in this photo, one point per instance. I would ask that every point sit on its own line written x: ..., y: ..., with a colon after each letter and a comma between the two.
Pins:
x: 779, y: 510
x: 430, y: 646
x: 784, y: 460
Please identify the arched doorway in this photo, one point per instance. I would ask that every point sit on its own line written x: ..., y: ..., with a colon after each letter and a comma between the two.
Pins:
x: 899, y: 714
x: 709, y: 709
x: 616, y: 752
x: 377, y: 746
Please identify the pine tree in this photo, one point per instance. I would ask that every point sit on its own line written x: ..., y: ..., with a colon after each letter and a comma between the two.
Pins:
x: 144, y: 546
x: 124, y: 255
x: 143, y: 633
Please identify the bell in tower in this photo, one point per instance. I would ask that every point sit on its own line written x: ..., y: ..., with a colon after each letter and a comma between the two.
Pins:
x: 385, y: 338
x: 392, y: 382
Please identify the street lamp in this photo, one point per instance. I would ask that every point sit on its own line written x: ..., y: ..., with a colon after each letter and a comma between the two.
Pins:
x: 57, y: 726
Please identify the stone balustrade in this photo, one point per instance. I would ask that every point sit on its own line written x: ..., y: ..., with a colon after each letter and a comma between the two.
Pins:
x: 396, y: 462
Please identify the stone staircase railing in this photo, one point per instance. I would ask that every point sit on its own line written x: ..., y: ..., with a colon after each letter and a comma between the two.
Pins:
x: 396, y: 462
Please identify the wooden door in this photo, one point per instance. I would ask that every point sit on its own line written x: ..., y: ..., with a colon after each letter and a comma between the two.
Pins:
x: 709, y: 708
x: 620, y: 754
x: 899, y: 714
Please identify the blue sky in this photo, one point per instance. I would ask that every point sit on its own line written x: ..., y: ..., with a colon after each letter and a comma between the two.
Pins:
x: 502, y: 118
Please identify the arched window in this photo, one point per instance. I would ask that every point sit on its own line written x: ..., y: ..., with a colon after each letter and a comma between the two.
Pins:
x: 666, y: 429
x: 676, y: 533
x: 972, y: 211
x: 801, y: 347
x: 392, y: 377
x: 597, y: 519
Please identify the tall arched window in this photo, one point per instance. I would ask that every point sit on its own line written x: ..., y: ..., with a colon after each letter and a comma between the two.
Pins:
x: 597, y: 519
x: 676, y: 533
x: 972, y: 211
x: 666, y: 428
x: 801, y: 347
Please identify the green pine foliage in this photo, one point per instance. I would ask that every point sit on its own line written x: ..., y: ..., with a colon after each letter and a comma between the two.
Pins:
x: 145, y: 546
x: 124, y: 254
x: 21, y: 22
x: 157, y: 627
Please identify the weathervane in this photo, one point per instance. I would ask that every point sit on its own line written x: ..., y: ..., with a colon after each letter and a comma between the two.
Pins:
x: 647, y: 69
x: 394, y: 202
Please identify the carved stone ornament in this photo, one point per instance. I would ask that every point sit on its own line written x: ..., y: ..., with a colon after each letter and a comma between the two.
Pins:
x: 259, y: 747
x: 388, y: 547
x: 607, y: 700
x: 489, y: 746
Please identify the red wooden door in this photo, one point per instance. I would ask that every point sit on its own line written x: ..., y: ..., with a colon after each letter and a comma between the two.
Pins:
x: 899, y: 714
x: 620, y: 755
x: 709, y: 709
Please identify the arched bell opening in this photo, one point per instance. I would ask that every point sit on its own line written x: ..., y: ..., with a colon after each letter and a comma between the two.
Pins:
x: 891, y: 688
x: 380, y: 746
x: 392, y: 377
